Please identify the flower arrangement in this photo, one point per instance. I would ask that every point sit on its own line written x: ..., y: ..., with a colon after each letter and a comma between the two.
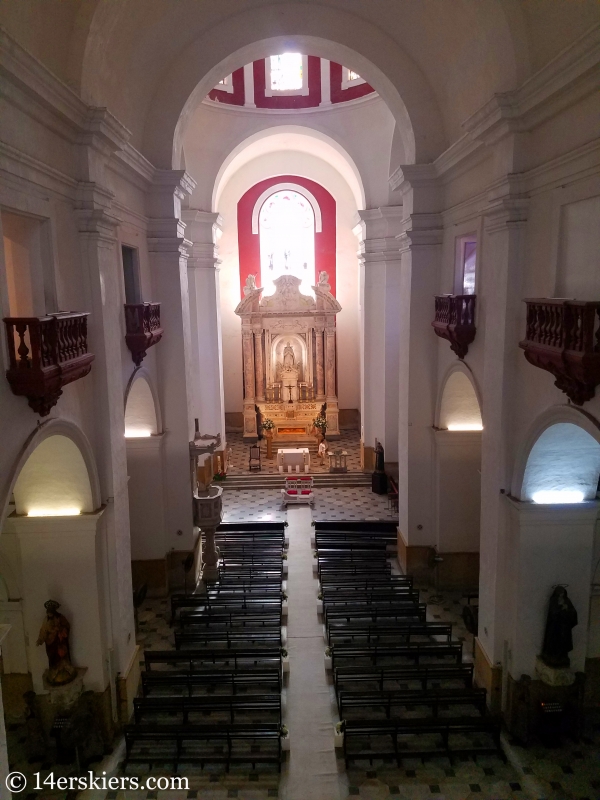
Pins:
x: 340, y: 726
x: 283, y: 731
x: 320, y: 423
x: 219, y: 476
x: 268, y: 424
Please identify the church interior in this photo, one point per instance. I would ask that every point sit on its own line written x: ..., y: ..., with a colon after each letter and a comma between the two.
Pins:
x: 300, y: 399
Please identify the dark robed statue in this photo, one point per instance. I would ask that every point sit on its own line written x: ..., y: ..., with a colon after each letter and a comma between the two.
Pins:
x: 379, y: 458
x: 54, y: 633
x: 558, y: 639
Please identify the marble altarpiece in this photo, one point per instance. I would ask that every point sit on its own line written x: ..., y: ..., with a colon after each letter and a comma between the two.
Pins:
x: 289, y: 357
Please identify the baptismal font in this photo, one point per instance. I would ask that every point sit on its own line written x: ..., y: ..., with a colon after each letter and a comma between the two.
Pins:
x: 289, y: 358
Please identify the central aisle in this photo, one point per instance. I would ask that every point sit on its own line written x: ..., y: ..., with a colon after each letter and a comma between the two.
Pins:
x: 311, y: 771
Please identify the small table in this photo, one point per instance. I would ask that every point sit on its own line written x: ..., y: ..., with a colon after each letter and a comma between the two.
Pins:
x: 293, y: 457
x: 337, y: 460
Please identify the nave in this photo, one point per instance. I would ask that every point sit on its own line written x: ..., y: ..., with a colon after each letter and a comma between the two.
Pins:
x: 361, y: 645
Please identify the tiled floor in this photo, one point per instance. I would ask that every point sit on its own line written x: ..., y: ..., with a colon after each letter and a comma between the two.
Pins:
x: 239, y: 454
x: 351, y: 503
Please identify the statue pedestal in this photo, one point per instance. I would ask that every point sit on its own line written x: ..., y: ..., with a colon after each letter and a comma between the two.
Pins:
x: 59, y: 699
x: 553, y: 676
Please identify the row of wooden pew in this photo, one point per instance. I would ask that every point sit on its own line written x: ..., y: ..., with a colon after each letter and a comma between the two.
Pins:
x: 401, y: 686
x: 216, y: 696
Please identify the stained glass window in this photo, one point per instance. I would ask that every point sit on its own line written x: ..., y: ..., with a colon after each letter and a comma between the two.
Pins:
x: 286, y: 72
x: 287, y: 240
x: 353, y: 76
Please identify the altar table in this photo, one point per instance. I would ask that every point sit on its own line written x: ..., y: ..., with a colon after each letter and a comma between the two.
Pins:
x: 293, y: 457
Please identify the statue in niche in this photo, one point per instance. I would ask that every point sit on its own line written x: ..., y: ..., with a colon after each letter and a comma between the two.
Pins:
x: 288, y: 357
x: 558, y: 639
x: 54, y: 633
x: 379, y: 458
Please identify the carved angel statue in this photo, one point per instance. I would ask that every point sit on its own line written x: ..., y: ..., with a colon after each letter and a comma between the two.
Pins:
x: 250, y: 285
x: 324, y: 279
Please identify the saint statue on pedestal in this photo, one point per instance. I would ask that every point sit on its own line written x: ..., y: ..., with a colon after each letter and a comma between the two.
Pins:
x: 54, y: 633
x: 288, y: 357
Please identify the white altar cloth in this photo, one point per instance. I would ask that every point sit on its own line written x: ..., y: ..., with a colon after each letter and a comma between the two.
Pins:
x: 293, y: 457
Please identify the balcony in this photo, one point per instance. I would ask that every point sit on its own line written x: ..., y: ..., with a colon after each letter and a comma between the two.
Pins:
x: 46, y: 353
x: 563, y: 337
x: 455, y: 321
x: 142, y: 324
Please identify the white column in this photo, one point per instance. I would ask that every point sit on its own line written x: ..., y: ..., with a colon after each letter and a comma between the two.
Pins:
x: 325, y: 82
x: 504, y: 238
x: 420, y: 249
x: 249, y: 85
x: 203, y: 229
x: 101, y: 262
x: 168, y: 255
x: 379, y: 255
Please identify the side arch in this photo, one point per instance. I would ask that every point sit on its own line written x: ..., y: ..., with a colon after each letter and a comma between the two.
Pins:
x: 70, y: 431
x: 142, y: 406
x: 582, y: 460
x: 459, y: 400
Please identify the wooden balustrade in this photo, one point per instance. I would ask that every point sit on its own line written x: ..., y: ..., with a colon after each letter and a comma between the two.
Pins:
x: 45, y: 354
x: 143, y: 329
x: 563, y: 337
x: 455, y: 321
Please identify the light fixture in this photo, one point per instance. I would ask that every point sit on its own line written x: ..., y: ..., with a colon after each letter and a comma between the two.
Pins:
x: 465, y: 426
x: 557, y: 496
x: 54, y: 512
x: 137, y: 433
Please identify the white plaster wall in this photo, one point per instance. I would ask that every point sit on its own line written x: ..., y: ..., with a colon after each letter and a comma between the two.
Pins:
x: 347, y: 291
x: 458, y: 490
x: 364, y: 130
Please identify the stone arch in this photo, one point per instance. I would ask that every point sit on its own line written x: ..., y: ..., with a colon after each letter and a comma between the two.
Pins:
x: 560, y: 454
x: 142, y: 409
x: 313, y: 141
x: 328, y: 33
x: 459, y: 402
x: 56, y: 466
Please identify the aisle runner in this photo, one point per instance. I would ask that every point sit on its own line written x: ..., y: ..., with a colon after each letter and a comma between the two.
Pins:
x: 311, y: 773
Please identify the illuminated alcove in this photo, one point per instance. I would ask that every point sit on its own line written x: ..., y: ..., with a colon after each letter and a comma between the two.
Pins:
x: 140, y: 410
x: 459, y: 407
x: 54, y: 481
x: 563, y: 466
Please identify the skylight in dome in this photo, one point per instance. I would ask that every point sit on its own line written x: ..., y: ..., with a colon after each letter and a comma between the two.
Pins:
x: 286, y: 72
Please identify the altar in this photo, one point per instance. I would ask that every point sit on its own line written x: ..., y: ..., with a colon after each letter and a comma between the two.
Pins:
x: 289, y: 358
x: 295, y: 458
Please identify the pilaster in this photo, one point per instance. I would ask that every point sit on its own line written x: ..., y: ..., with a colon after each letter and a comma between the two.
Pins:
x: 168, y: 251
x: 419, y: 243
x: 203, y: 229
x: 504, y: 241
x: 379, y: 258
x: 100, y: 139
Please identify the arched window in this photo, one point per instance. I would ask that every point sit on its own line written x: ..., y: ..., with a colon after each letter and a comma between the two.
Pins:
x: 287, y: 240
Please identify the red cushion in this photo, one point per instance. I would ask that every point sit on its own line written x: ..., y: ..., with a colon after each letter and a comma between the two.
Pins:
x: 305, y: 491
x: 292, y: 491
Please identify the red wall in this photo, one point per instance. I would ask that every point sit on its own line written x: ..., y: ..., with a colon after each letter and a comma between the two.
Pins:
x: 249, y: 243
x: 339, y: 95
x: 235, y: 98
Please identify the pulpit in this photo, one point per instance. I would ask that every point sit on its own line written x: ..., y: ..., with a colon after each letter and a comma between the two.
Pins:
x: 289, y: 358
x: 337, y: 460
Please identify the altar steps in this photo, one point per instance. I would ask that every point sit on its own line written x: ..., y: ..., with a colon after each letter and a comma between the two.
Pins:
x: 322, y: 480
